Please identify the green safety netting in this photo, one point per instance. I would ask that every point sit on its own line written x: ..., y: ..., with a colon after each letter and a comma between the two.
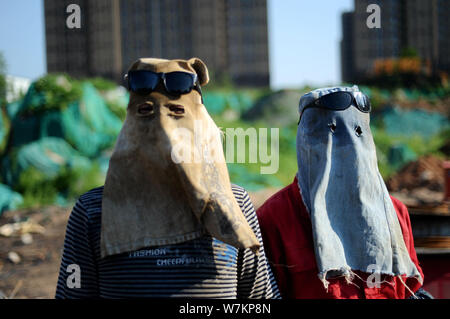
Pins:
x: 12, y: 108
x: 78, y: 133
x: 9, y: 199
x: 406, y: 94
x: 401, y: 122
x: 87, y: 124
x: 48, y: 155
x: 103, y: 161
x: 239, y: 102
x: 117, y: 100
x: 3, y: 132
x: 96, y: 113
x: 218, y: 102
x: 26, y: 129
x: 277, y: 109
x: 399, y: 155
x: 215, y: 103
x: 33, y: 101
x: 59, y: 127
x: 243, y: 177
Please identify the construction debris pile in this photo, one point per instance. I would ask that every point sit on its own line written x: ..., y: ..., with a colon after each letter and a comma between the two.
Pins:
x: 420, y: 182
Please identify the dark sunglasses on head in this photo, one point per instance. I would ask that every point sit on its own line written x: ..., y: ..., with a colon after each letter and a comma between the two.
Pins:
x: 339, y: 101
x: 176, y: 83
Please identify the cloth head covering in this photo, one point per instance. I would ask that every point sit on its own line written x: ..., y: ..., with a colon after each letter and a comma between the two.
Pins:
x: 354, y: 223
x: 167, y: 180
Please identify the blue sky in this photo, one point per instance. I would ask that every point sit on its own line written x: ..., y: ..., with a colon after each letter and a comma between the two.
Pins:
x: 304, y: 40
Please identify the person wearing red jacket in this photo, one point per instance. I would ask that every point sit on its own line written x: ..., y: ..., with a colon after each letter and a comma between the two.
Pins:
x: 335, y: 232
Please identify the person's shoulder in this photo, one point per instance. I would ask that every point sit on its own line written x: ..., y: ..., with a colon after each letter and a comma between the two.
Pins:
x: 238, y: 191
x: 87, y: 209
x: 397, y: 203
x: 91, y: 203
x: 400, y: 207
x: 241, y: 196
x: 273, y: 203
x: 92, y: 195
x: 403, y: 216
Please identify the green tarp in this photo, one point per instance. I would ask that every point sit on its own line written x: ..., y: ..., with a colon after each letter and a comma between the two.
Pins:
x: 217, y: 102
x: 54, y: 140
x: 87, y: 124
x: 401, y: 122
x: 3, y: 132
x: 399, y: 155
x: 9, y: 199
x: 277, y: 110
x: 241, y: 176
x: 49, y: 155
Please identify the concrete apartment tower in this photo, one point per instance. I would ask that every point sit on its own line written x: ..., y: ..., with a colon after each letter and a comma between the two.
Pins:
x: 420, y: 25
x: 229, y: 35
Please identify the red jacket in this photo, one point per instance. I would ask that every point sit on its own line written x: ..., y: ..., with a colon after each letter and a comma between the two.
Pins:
x: 287, y: 235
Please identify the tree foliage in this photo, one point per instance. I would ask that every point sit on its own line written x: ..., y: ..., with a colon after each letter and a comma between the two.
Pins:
x: 2, y: 79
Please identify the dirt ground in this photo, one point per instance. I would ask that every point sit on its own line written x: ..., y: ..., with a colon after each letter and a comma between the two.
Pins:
x: 36, y: 273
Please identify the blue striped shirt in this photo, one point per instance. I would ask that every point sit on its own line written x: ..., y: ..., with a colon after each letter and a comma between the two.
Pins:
x: 200, y: 268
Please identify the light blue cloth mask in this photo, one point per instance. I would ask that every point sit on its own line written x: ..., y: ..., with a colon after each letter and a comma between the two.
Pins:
x: 354, y: 223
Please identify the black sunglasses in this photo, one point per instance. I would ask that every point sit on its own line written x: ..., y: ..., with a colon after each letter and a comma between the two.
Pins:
x: 176, y: 83
x: 339, y: 101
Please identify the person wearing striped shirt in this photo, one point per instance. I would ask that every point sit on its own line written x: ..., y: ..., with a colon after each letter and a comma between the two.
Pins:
x: 199, y: 268
x: 167, y: 222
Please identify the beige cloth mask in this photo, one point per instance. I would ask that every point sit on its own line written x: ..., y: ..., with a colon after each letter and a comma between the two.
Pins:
x: 167, y: 180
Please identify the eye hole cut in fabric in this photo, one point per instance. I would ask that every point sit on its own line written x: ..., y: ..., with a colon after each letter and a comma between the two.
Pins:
x: 332, y: 127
